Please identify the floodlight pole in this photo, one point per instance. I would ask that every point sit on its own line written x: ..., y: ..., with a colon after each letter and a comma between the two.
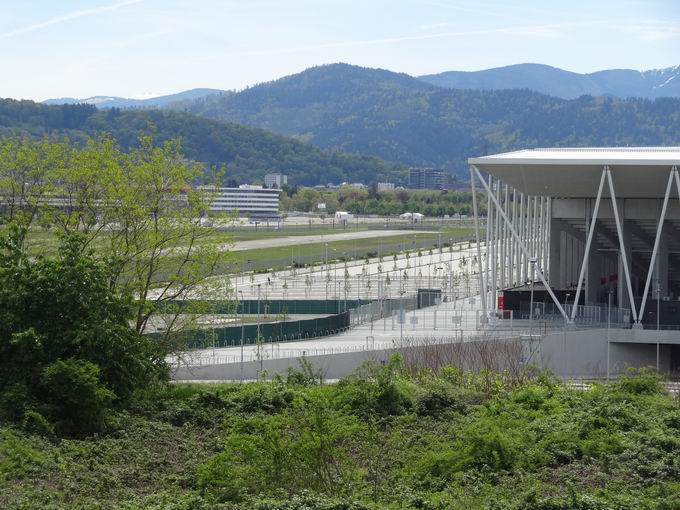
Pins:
x: 242, y: 328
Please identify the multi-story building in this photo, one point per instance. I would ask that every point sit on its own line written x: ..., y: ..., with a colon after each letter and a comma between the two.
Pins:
x: 275, y: 180
x: 385, y: 186
x: 246, y: 200
x: 426, y: 178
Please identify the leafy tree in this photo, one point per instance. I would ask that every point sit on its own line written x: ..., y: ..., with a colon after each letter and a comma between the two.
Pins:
x: 141, y: 210
x: 66, y: 346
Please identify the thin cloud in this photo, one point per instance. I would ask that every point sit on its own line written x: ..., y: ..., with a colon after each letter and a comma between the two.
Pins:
x: 652, y: 31
x: 67, y: 17
x: 431, y: 26
x: 529, y: 31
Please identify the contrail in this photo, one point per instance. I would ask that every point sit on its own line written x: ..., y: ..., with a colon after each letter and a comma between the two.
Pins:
x: 66, y: 17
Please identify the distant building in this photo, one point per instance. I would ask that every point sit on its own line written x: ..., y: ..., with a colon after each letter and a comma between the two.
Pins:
x: 246, y: 200
x: 385, y: 186
x: 426, y: 178
x: 358, y: 185
x: 275, y: 180
x: 412, y: 217
x: 343, y: 217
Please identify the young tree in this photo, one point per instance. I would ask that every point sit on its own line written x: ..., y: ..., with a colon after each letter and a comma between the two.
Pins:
x: 66, y: 346
x: 141, y: 212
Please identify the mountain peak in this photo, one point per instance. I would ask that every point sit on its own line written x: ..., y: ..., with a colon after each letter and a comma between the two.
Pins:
x: 125, y: 102
x: 557, y: 82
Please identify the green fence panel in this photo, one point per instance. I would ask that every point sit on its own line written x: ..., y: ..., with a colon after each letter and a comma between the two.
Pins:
x: 268, y: 332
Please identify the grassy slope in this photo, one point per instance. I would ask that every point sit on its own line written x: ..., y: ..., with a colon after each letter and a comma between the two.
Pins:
x: 381, y: 441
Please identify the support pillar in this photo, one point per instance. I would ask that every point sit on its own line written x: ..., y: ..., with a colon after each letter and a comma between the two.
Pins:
x: 621, y: 285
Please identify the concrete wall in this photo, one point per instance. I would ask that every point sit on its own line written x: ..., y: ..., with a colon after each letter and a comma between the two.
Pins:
x: 333, y: 366
x: 584, y: 353
x: 577, y: 354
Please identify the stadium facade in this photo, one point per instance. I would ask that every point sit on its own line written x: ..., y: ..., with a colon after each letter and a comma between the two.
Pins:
x: 586, y: 236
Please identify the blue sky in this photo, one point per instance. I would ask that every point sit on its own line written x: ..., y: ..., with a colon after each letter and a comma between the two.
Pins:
x: 140, y: 48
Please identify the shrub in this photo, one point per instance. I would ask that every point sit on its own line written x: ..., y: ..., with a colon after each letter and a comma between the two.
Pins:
x: 76, y: 398
x: 35, y: 423
x: 643, y: 381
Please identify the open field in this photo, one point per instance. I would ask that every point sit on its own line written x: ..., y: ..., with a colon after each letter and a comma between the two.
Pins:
x: 283, y: 256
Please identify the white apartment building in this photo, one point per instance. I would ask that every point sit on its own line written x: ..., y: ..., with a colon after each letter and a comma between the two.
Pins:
x: 275, y: 180
x: 246, y: 200
x: 385, y: 186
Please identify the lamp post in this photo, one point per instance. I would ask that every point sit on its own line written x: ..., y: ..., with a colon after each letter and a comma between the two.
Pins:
x: 658, y: 310
x: 242, y: 328
x: 259, y: 354
x: 609, y: 321
x: 335, y: 272
x: 564, y: 347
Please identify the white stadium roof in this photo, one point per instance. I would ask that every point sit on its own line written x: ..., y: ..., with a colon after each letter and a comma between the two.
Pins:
x: 638, y: 172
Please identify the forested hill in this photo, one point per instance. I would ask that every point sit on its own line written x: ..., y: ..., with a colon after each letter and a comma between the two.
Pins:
x: 247, y: 153
x: 400, y: 118
x: 565, y: 84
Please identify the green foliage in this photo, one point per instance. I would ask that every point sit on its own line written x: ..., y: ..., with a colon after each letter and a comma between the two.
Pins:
x: 245, y: 153
x: 377, y: 112
x: 640, y: 382
x: 376, y: 390
x: 432, y: 441
x: 387, y: 203
x: 76, y: 398
x: 17, y: 457
x: 66, y: 348
x: 298, y: 449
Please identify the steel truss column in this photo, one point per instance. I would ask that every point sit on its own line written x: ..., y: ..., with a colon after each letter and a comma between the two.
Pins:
x: 519, y: 255
x: 522, y: 246
x: 659, y: 229
x: 586, y: 252
x: 503, y: 230
x: 513, y: 245
x: 494, y: 267
x: 548, y: 223
x: 619, y: 231
x: 489, y: 229
x: 541, y: 232
x: 534, y: 224
x: 482, y: 286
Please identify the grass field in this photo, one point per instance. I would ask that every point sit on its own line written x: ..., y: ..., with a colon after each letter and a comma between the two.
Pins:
x: 283, y: 256
x: 46, y: 242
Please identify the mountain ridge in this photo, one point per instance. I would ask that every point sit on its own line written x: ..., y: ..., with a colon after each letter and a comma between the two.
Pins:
x: 245, y: 153
x: 399, y: 118
x: 553, y: 81
x: 126, y: 102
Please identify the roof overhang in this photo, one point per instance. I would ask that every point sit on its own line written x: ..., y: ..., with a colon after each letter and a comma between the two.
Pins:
x: 640, y: 172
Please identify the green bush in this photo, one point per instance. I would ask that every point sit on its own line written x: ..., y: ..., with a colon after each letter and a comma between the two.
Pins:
x: 642, y: 381
x: 76, y: 398
x: 67, y: 350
